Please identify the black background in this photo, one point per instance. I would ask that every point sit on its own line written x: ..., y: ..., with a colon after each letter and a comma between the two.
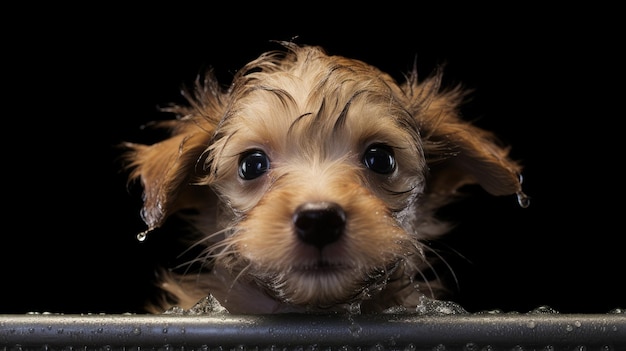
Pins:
x: 79, y: 81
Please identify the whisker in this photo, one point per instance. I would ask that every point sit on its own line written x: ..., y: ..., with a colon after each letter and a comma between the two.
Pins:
x: 239, y: 275
x: 204, y: 239
x: 445, y: 262
x: 219, y: 249
x: 426, y: 281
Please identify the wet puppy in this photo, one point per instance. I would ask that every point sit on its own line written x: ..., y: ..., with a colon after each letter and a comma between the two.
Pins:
x: 313, y: 181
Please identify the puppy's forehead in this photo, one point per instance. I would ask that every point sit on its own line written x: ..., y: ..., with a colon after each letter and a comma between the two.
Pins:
x: 304, y: 83
x: 316, y: 96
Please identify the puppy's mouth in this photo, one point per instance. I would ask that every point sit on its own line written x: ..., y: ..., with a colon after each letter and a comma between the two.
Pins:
x: 322, y: 266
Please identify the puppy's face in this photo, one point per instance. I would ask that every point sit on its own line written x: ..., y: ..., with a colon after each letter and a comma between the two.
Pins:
x: 328, y: 172
x: 322, y: 172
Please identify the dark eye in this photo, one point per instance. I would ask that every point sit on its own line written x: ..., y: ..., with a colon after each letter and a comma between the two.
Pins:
x: 379, y: 158
x: 253, y: 164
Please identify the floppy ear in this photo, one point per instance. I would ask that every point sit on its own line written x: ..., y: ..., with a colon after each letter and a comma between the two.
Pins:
x: 167, y: 170
x: 457, y: 152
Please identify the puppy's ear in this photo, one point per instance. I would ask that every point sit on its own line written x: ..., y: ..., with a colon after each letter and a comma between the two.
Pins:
x: 166, y: 170
x: 456, y: 151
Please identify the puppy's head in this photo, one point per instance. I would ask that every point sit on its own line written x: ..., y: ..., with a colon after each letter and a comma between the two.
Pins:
x: 316, y: 177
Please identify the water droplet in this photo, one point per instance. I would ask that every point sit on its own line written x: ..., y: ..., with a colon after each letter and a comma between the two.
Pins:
x: 396, y: 310
x: 544, y: 310
x: 378, y: 347
x: 531, y: 324
x: 355, y: 329
x: 354, y: 308
x: 143, y: 235
x: 430, y: 306
x: 522, y: 199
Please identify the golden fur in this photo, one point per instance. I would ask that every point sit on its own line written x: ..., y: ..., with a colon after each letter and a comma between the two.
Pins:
x: 294, y: 131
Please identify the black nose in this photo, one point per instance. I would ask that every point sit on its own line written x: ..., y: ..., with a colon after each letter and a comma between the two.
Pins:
x: 319, y: 223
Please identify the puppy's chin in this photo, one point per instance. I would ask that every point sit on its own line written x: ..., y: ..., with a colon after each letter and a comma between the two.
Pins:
x: 322, y: 279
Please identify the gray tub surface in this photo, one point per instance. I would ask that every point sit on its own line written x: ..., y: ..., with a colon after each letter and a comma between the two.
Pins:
x: 222, y: 331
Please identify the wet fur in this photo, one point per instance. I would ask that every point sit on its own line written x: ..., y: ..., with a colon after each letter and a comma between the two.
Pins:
x: 314, y: 115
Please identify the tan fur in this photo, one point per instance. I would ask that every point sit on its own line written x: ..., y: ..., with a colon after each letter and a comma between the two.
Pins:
x: 314, y: 116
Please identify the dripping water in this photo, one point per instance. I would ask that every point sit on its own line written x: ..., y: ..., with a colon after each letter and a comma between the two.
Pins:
x: 522, y: 199
x: 143, y: 235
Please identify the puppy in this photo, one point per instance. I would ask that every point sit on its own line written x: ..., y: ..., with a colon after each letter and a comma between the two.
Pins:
x: 312, y: 182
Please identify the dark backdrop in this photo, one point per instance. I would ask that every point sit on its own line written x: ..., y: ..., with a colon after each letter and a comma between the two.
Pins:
x: 79, y: 82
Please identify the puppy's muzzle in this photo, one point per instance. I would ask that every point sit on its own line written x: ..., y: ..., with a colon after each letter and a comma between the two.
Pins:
x: 319, y: 223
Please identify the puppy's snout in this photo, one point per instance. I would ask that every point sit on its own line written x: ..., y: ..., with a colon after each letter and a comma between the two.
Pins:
x: 319, y: 223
